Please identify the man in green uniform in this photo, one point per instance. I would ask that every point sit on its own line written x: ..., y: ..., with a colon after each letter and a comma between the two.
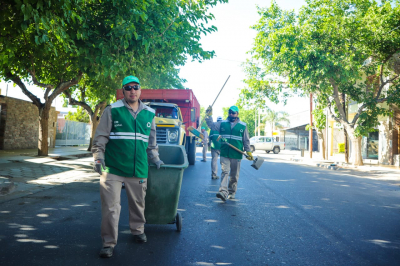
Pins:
x: 124, y: 139
x: 234, y: 132
x: 205, y: 144
x: 215, y: 151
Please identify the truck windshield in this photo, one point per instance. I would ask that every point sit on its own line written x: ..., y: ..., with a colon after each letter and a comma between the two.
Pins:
x: 165, y: 112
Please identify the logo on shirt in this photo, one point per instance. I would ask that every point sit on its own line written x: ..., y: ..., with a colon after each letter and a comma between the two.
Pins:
x: 117, y: 124
x: 148, y: 124
x: 241, y: 130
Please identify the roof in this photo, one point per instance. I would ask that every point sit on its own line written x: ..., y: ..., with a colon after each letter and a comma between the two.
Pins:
x: 161, y: 104
x: 295, y: 127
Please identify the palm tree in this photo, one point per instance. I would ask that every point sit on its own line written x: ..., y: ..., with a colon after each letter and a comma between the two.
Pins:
x: 275, y: 118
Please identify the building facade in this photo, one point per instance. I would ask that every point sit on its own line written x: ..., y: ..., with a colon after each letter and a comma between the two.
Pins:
x: 19, y: 124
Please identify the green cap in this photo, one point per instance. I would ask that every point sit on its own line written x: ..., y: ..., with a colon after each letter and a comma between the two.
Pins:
x: 203, y: 128
x: 234, y: 108
x: 130, y: 79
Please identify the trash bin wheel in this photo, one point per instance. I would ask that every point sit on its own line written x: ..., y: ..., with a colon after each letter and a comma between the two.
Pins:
x: 178, y: 221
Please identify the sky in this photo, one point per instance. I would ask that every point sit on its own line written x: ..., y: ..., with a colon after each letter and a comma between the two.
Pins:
x: 231, y: 43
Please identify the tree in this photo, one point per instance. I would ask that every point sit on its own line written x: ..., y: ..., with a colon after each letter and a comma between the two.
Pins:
x: 275, y: 118
x: 52, y: 44
x: 79, y: 116
x: 319, y: 124
x: 331, y: 48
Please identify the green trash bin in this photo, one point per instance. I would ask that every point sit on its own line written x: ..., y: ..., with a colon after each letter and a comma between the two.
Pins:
x: 164, y: 186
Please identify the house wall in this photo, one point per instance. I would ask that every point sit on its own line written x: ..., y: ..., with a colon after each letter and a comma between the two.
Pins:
x: 19, y: 126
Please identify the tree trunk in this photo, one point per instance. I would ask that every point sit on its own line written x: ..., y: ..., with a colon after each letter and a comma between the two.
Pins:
x: 43, y: 144
x: 321, y: 137
x: 356, y: 148
x: 94, y: 123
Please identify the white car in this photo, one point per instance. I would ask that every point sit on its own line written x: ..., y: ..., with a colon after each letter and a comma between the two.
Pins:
x: 267, y: 144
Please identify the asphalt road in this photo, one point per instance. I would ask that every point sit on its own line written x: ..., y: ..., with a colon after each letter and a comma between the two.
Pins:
x: 284, y: 214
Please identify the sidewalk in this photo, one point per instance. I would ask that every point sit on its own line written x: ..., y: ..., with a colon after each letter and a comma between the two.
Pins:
x: 336, y: 162
x: 23, y: 172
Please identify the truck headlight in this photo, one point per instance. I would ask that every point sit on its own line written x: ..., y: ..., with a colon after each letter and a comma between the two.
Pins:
x: 173, y: 135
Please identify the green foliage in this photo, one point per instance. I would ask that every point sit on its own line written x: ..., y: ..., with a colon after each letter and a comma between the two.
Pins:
x: 80, y: 115
x: 341, y: 147
x: 274, y: 118
x: 203, y: 116
x: 331, y: 47
x: 319, y: 118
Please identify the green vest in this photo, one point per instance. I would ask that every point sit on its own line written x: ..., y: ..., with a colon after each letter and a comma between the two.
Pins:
x: 216, y: 145
x: 125, y: 153
x: 234, y: 137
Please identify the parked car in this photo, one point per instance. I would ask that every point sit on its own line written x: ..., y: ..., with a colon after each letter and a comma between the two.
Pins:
x: 267, y: 144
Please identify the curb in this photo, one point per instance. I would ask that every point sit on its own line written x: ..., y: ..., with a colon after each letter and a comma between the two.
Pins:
x: 330, y: 166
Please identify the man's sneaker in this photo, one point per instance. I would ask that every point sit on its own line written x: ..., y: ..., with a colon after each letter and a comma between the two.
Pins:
x: 215, y: 177
x: 231, y: 196
x: 106, y: 252
x: 221, y: 196
x: 204, y: 161
x: 140, y: 238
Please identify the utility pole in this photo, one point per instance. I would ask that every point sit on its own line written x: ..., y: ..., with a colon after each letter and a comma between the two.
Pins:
x: 311, y: 129
x: 255, y: 122
x: 346, y: 148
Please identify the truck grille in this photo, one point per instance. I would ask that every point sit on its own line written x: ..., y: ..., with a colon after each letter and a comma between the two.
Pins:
x: 161, y: 134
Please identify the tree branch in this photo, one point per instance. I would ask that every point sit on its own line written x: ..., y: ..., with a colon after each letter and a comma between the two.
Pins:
x: 337, y: 99
x: 17, y: 80
x: 64, y: 86
x: 37, y: 83
x: 332, y: 113
x: 72, y: 101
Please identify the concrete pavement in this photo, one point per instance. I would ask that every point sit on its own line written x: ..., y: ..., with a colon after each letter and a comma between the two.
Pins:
x: 22, y: 172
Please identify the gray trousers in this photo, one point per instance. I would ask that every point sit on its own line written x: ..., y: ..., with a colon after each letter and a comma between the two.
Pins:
x: 110, y: 194
x: 214, y: 162
x: 230, y: 175
x: 205, y: 148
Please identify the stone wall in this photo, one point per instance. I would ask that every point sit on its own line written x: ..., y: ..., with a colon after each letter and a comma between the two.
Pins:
x: 19, y: 124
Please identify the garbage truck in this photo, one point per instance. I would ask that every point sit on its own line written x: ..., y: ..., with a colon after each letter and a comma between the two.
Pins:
x: 176, y: 110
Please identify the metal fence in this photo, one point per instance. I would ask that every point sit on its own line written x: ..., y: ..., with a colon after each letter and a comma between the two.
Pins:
x: 72, y: 133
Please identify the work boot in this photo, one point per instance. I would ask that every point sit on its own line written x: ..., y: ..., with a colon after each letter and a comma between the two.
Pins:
x: 203, y: 161
x: 215, y: 177
x: 231, y: 196
x: 221, y: 196
x: 140, y: 238
x: 106, y: 252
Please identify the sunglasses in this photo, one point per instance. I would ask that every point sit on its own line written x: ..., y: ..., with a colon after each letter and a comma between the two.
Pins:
x: 232, y: 112
x: 129, y: 88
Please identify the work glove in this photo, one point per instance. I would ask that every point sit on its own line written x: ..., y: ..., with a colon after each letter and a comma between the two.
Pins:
x: 209, y: 111
x: 249, y: 156
x: 159, y: 163
x: 99, y: 165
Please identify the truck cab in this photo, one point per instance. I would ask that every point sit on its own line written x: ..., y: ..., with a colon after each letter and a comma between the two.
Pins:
x: 169, y: 121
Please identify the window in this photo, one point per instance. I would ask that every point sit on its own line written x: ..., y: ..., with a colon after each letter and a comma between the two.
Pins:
x: 193, y: 115
x: 165, y: 112
x: 267, y: 139
x: 261, y: 140
x: 373, y: 145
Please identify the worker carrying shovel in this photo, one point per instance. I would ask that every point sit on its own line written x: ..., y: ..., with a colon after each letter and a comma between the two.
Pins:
x: 234, y: 132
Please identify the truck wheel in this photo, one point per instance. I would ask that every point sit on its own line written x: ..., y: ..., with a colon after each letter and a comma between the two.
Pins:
x: 252, y: 149
x: 192, y: 152
x: 267, y: 151
x: 276, y: 150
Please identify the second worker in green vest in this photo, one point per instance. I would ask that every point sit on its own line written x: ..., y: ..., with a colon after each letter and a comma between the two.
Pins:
x: 215, y: 151
x: 234, y: 132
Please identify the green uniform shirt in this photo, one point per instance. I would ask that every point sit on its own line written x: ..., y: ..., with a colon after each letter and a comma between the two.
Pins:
x: 234, y: 136
x: 125, y: 153
x: 216, y: 145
